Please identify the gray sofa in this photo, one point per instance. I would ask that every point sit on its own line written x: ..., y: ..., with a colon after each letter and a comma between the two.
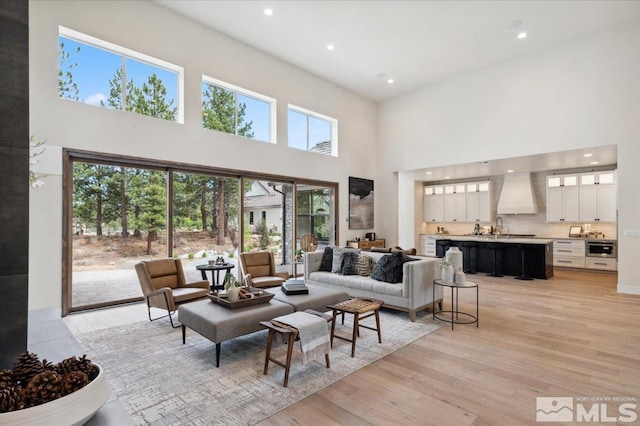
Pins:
x: 412, y: 295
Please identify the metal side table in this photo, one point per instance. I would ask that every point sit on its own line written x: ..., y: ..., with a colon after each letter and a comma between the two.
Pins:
x: 467, y: 318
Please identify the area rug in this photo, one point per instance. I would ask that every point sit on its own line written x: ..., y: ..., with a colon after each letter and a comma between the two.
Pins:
x: 163, y: 382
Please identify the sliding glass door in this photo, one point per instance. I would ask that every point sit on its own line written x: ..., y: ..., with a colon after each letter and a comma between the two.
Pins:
x: 268, y: 219
x: 119, y: 212
x: 119, y: 218
x: 315, y: 215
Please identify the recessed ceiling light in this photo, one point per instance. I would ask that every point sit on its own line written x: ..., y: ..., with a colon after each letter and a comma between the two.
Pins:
x: 268, y: 12
x: 330, y: 47
x: 509, y: 171
x: 593, y: 163
x: 447, y: 177
x: 390, y: 81
x: 522, y: 35
x: 588, y: 155
x: 428, y: 173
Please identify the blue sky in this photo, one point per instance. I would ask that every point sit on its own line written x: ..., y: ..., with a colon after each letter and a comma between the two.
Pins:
x: 97, y: 66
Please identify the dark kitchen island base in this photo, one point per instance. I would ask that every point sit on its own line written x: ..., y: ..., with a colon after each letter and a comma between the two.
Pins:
x: 538, y: 261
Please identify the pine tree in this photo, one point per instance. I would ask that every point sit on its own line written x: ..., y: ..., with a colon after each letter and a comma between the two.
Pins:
x: 150, y: 99
x: 219, y: 112
x: 67, y: 87
x: 152, y: 206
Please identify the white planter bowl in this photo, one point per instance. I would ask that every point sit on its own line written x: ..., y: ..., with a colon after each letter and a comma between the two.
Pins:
x: 74, y: 409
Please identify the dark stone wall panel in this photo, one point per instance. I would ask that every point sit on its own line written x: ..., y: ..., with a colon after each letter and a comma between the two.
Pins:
x: 13, y: 330
x: 14, y: 213
x: 14, y: 175
x: 15, y: 10
x: 14, y: 42
x: 13, y: 131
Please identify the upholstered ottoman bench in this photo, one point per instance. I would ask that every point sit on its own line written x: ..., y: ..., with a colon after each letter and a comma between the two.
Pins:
x: 318, y: 298
x: 218, y: 323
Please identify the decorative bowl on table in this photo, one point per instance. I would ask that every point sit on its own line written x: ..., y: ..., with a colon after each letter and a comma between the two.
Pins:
x: 257, y: 296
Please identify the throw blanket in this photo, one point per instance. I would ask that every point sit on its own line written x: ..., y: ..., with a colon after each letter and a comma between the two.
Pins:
x: 313, y: 332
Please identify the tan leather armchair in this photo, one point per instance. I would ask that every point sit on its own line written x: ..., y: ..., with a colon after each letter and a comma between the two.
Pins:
x: 261, y: 266
x: 164, y: 287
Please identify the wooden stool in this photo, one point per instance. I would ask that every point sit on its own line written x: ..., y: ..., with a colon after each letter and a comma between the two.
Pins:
x: 291, y: 333
x: 356, y: 307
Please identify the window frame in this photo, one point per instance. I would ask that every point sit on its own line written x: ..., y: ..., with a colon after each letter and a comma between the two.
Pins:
x: 332, y: 121
x: 273, y: 134
x: 132, y: 54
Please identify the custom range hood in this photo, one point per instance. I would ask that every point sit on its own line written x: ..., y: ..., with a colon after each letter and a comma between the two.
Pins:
x: 517, y: 195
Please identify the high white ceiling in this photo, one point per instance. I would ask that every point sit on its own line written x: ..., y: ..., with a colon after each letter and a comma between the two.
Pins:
x: 416, y: 43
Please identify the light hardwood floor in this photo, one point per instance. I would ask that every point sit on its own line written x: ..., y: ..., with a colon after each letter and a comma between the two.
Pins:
x: 570, y: 336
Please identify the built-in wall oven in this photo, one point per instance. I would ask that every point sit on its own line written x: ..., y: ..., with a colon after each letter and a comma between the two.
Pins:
x: 601, y: 249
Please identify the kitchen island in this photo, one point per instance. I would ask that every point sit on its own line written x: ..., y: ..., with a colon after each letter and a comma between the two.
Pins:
x: 539, y: 257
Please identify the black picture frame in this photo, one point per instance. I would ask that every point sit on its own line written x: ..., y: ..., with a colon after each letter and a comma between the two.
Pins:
x: 361, y: 203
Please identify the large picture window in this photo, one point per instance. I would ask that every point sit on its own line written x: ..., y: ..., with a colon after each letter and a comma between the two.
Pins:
x: 99, y: 73
x: 313, y: 132
x: 230, y: 109
x: 119, y: 212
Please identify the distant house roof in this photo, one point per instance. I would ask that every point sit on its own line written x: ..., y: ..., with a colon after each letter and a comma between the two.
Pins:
x: 270, y: 200
x: 323, y: 147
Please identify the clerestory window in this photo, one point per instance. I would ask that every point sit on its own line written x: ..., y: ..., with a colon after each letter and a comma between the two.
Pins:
x: 100, y: 73
x: 231, y: 109
x: 312, y: 132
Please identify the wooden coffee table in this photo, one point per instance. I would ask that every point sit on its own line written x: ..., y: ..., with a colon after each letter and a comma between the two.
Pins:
x: 356, y: 307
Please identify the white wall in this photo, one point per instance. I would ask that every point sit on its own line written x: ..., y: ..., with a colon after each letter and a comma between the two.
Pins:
x: 155, y: 31
x: 582, y: 94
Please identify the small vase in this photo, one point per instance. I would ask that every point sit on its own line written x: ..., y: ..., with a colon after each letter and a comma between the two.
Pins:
x: 447, y: 274
x: 233, y: 293
x: 460, y: 277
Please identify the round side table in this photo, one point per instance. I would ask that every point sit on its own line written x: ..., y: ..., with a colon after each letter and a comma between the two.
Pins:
x: 215, y: 278
x: 457, y: 317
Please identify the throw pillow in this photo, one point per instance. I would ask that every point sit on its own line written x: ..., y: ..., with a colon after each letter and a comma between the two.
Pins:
x: 350, y: 262
x: 327, y: 260
x: 365, y: 265
x: 336, y: 264
x: 389, y: 268
x: 336, y: 259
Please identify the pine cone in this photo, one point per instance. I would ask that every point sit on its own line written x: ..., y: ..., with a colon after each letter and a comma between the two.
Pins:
x: 73, y: 381
x: 46, y: 365
x: 43, y: 387
x: 82, y: 364
x: 11, y: 400
x: 66, y: 366
x: 27, y: 366
x: 6, y: 379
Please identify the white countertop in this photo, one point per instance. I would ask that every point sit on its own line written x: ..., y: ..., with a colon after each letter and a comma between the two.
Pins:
x: 491, y: 239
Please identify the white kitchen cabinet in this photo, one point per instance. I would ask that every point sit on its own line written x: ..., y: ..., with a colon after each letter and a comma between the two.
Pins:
x: 569, y: 253
x: 454, y: 203
x: 433, y: 204
x: 598, y: 197
x: 605, y: 264
x: 478, y: 202
x: 460, y: 202
x: 427, y: 245
x: 563, y: 198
